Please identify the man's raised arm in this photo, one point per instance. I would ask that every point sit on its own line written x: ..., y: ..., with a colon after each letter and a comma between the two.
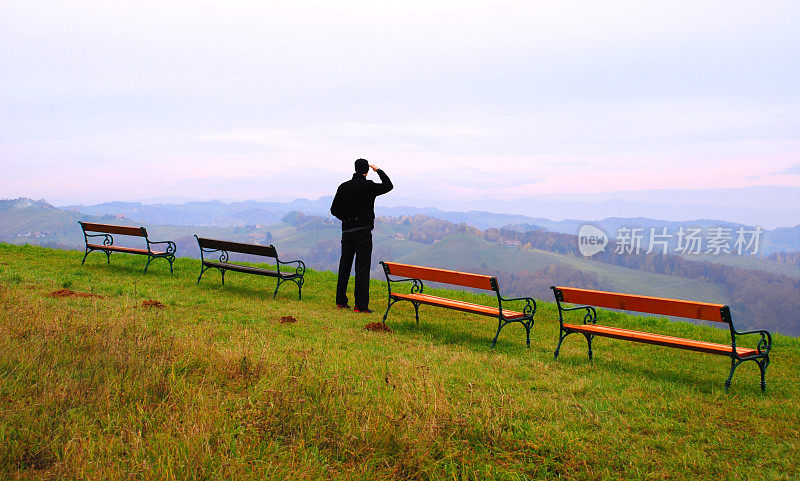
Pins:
x: 385, y: 185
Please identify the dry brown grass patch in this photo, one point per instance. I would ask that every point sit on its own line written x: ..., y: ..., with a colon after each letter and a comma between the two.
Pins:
x: 154, y: 304
x: 377, y: 327
x: 70, y: 293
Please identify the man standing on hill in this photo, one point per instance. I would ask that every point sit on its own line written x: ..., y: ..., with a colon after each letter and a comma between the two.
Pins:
x: 354, y: 205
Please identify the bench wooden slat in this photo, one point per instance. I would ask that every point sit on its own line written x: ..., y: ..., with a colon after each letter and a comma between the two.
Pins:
x: 660, y: 340
x: 267, y: 251
x: 652, y: 305
x: 250, y: 270
x: 129, y: 250
x: 114, y: 229
x: 445, y: 276
x: 458, y: 305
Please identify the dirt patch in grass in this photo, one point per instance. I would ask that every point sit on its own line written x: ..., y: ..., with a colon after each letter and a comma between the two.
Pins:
x: 69, y: 293
x: 37, y: 460
x: 377, y: 327
x: 155, y: 304
x: 288, y: 319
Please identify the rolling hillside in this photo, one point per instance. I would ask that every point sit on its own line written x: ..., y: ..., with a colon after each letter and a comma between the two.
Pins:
x: 753, y: 263
x: 152, y: 376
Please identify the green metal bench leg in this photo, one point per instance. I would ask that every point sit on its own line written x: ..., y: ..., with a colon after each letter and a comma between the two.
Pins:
x: 589, y: 340
x: 149, y: 260
x: 299, y: 283
x: 734, y: 364
x: 389, y: 305
x: 84, y: 256
x: 171, y: 260
x: 500, y: 325
x: 763, y: 368
x: 223, y: 276
x: 528, y: 327
x: 108, y: 257
x: 276, y: 288
x: 563, y: 336
x: 416, y: 311
x: 202, y: 270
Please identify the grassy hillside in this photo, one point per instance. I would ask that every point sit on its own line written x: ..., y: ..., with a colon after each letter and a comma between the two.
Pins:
x: 26, y: 221
x: 750, y: 262
x: 215, y: 385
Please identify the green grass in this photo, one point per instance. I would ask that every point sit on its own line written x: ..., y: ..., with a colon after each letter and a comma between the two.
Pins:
x: 214, y: 386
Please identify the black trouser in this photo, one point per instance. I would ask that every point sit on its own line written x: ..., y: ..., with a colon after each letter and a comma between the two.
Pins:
x: 359, y: 244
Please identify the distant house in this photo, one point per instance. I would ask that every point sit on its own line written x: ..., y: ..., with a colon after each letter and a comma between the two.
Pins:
x: 261, y: 238
x: 32, y: 234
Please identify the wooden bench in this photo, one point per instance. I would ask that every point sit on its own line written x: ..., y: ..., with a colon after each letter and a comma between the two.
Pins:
x: 416, y: 296
x: 210, y: 246
x: 106, y: 230
x: 587, y: 300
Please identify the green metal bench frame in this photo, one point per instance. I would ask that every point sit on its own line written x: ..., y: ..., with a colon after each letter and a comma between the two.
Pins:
x: 106, y: 231
x: 211, y: 246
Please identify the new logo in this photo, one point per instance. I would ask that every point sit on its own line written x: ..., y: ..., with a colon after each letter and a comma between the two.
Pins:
x: 591, y: 240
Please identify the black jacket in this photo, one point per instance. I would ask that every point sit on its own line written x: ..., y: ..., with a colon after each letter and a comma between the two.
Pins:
x: 354, y: 203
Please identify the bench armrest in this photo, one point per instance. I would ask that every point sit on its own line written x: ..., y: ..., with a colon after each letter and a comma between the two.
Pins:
x: 299, y: 270
x: 416, y: 288
x: 530, y: 304
x: 764, y: 344
x: 529, y: 299
x: 403, y: 279
x: 171, y: 248
x: 589, y: 317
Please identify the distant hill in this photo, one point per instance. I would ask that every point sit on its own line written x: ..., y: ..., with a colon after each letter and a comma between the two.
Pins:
x: 26, y: 221
x: 210, y: 213
x: 222, y: 214
x: 769, y: 206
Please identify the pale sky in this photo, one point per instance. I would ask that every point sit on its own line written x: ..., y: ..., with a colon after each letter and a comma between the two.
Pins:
x: 197, y: 100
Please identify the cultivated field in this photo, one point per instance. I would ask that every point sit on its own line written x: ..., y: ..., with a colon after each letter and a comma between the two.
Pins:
x: 225, y: 382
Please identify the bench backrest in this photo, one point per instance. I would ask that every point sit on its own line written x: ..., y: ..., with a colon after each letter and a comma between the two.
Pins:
x: 652, y: 305
x: 114, y: 229
x: 254, y: 249
x: 432, y: 274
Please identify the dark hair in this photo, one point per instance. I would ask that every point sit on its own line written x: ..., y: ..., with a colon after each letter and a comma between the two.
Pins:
x: 362, y: 166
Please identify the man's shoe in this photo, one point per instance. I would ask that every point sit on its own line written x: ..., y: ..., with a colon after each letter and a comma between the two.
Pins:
x: 366, y: 310
x: 342, y: 306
